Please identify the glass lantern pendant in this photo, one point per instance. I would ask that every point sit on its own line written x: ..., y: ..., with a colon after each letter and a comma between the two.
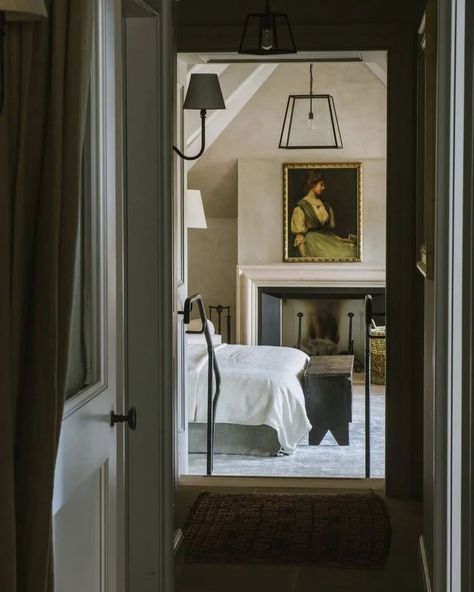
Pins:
x: 310, y: 121
x: 267, y: 33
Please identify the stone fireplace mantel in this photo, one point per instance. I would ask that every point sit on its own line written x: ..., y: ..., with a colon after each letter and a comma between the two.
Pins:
x: 252, y: 277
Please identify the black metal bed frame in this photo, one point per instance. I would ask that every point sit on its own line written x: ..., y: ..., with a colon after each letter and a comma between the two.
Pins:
x: 212, y: 376
x: 215, y: 376
x: 219, y: 308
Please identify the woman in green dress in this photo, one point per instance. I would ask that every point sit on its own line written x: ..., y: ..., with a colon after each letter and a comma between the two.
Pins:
x: 313, y: 225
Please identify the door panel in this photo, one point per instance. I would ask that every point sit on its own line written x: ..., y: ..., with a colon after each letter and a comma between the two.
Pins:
x: 82, y: 558
x: 87, y: 516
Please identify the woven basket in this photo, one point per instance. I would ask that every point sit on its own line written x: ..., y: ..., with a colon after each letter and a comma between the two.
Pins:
x: 377, y: 356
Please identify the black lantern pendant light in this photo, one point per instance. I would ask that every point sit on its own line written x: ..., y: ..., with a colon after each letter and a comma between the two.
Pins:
x: 310, y: 121
x: 267, y: 33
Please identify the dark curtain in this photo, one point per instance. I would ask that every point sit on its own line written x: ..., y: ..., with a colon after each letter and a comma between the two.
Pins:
x: 41, y: 139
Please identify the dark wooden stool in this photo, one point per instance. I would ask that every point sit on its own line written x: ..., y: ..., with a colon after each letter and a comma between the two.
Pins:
x: 328, y: 396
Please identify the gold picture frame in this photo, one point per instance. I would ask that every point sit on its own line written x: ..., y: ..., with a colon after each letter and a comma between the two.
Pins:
x: 322, y: 212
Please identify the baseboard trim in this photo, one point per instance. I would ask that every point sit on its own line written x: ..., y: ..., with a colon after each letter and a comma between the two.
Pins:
x: 281, y: 482
x: 424, y: 565
x: 178, y: 539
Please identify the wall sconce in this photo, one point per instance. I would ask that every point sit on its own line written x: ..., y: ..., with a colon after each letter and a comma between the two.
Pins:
x: 204, y: 92
x: 15, y: 10
x: 267, y: 33
x: 194, y: 216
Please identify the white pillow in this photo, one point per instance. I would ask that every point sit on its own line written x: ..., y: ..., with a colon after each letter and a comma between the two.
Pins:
x: 199, y: 338
x: 196, y: 325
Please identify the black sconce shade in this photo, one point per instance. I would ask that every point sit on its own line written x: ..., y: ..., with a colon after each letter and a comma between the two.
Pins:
x: 267, y: 33
x: 204, y: 92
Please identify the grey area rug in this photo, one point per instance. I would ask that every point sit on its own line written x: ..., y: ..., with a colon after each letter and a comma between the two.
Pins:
x: 327, y: 460
x: 348, y: 530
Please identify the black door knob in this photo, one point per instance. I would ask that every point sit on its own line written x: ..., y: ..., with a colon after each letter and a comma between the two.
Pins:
x: 130, y: 418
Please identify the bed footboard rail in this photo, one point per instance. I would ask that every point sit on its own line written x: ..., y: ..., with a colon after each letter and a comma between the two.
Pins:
x: 213, y: 376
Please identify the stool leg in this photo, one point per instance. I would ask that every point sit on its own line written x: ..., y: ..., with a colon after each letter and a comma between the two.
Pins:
x: 317, y: 434
x: 341, y: 433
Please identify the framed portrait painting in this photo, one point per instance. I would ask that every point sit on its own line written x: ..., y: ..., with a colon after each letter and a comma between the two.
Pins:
x: 322, y: 213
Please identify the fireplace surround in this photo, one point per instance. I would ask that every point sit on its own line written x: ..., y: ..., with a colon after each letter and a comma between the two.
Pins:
x: 261, y: 287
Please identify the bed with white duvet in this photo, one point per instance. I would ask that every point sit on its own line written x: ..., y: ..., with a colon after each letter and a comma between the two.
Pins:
x: 261, y: 400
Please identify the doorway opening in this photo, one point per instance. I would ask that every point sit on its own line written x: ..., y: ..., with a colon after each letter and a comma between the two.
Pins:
x: 274, y: 308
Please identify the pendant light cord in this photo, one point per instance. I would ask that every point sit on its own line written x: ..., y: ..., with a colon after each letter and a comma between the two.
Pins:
x: 311, y: 90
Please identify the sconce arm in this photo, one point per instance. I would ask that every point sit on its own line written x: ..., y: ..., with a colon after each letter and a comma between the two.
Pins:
x: 203, y: 140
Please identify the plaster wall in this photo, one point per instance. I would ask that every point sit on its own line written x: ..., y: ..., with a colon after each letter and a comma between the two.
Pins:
x: 260, y: 219
x: 212, y: 256
x: 240, y: 175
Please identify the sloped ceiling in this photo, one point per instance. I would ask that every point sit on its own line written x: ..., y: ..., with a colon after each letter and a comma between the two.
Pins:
x: 254, y: 133
x: 241, y: 93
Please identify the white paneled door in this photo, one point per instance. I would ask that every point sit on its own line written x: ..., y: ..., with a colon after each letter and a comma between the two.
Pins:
x: 88, y: 508
x: 114, y: 496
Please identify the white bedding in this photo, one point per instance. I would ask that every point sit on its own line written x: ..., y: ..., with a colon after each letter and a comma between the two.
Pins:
x: 260, y: 385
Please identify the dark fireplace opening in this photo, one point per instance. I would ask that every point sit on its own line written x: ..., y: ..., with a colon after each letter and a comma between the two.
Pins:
x: 332, y: 320
x: 322, y: 326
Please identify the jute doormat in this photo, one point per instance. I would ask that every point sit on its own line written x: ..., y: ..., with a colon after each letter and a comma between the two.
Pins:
x: 346, y: 530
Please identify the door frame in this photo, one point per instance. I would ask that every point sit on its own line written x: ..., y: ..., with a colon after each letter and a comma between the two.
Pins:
x: 454, y: 293
x: 404, y: 287
x: 163, y: 467
x: 149, y: 303
x: 454, y: 404
x: 162, y: 471
x: 165, y: 457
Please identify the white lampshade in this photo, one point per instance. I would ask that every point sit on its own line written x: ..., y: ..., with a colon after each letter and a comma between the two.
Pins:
x: 23, y: 10
x: 194, y: 215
